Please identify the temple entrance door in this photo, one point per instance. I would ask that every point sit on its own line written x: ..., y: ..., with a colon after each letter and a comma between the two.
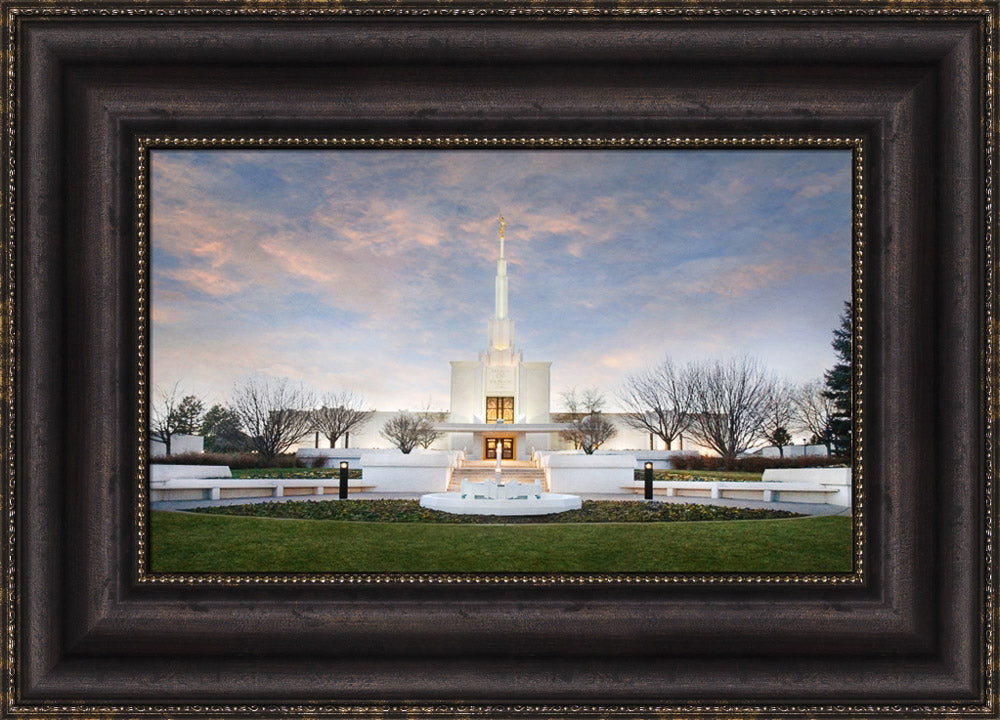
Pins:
x: 506, y: 446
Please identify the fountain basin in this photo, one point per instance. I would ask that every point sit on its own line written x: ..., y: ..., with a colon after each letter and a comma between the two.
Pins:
x: 467, y: 504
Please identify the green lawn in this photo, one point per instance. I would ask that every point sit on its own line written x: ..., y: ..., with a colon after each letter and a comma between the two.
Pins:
x: 293, y: 472
x: 188, y: 542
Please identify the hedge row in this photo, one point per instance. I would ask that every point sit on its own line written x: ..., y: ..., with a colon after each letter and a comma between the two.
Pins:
x: 233, y: 460
x: 752, y: 464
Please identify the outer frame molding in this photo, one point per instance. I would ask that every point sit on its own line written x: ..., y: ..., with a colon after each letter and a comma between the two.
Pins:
x: 84, y: 634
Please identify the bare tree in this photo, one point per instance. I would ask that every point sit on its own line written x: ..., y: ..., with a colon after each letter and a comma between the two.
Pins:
x: 658, y: 400
x: 590, y: 432
x: 340, y: 413
x: 174, y: 415
x: 275, y: 412
x: 730, y: 405
x: 428, y: 432
x: 780, y: 414
x: 589, y: 429
x: 406, y: 430
x: 587, y: 401
x: 817, y: 411
x: 592, y: 400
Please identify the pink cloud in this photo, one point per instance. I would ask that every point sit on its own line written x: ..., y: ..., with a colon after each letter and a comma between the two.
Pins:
x: 622, y: 359
x: 216, y: 252
x: 165, y: 315
x: 214, y: 283
x: 296, y: 262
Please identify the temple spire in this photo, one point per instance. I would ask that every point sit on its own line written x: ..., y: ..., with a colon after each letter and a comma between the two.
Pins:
x: 501, y: 327
x: 503, y: 225
x: 501, y: 281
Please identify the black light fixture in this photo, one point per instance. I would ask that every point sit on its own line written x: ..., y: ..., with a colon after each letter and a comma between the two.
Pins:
x: 648, y: 478
x: 343, y: 479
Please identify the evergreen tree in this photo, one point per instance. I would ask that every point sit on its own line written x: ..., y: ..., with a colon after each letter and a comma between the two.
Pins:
x: 221, y: 428
x: 189, y: 413
x: 838, y: 385
x: 779, y: 437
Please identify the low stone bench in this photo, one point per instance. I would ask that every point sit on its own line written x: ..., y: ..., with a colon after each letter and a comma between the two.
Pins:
x: 749, y: 490
x: 224, y: 488
x: 167, y: 471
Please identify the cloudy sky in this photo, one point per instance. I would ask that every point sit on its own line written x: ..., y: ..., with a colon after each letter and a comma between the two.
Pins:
x: 368, y: 270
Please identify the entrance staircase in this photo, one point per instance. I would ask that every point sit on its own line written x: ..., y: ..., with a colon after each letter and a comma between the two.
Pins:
x: 477, y: 471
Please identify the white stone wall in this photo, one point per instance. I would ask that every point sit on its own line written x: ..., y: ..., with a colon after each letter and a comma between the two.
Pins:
x: 465, y: 442
x: 391, y: 471
x: 535, y: 442
x: 826, y: 475
x: 178, y: 444
x: 834, y: 478
x: 466, y: 391
x: 576, y: 472
x: 796, y: 451
x: 535, y: 391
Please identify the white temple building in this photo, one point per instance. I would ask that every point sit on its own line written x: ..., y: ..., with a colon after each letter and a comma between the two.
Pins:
x: 500, y: 403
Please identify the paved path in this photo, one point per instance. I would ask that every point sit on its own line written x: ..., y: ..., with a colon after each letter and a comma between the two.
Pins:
x: 802, y: 508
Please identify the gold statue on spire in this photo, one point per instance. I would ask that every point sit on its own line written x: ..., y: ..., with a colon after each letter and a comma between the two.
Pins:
x: 502, y: 225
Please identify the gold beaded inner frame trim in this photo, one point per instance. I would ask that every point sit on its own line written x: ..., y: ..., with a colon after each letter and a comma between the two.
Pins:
x: 858, y: 213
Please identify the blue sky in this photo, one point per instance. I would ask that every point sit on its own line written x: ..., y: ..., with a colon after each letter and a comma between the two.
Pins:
x: 369, y: 270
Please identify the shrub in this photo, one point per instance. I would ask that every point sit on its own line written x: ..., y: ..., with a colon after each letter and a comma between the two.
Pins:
x: 755, y: 463
x: 233, y: 460
x: 317, y: 463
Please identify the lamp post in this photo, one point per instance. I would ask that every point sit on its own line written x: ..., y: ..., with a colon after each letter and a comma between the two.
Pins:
x: 343, y: 479
x: 648, y: 478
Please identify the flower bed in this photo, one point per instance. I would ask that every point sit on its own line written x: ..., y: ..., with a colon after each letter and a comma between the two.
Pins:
x: 593, y: 511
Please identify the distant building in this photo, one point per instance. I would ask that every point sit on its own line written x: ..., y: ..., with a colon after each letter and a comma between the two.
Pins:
x: 791, y: 451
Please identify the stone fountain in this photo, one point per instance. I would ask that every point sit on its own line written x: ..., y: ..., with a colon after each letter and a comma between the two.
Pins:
x: 495, y: 497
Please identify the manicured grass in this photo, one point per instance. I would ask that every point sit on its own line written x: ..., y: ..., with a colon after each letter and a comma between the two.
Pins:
x: 187, y: 542
x: 293, y: 473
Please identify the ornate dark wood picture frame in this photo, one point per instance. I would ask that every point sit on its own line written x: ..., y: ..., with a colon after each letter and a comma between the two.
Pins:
x: 88, y: 631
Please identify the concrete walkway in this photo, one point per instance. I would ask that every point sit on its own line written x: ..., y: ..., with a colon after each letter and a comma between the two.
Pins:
x: 801, y: 508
